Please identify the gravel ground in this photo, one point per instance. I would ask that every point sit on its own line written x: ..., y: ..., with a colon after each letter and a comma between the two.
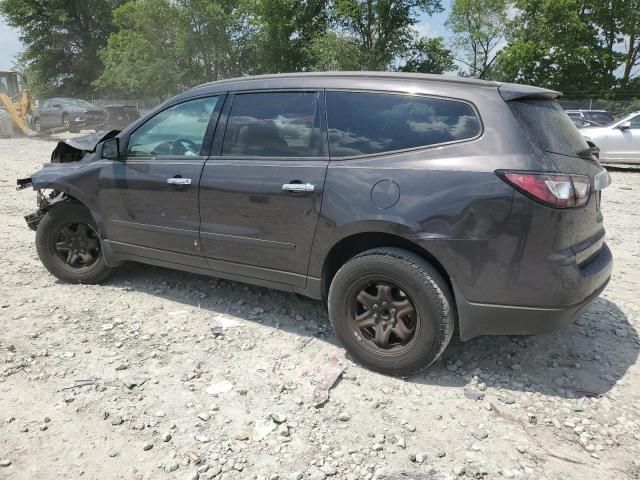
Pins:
x: 162, y: 374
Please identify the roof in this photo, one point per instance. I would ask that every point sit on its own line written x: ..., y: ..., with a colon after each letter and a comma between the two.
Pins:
x: 360, y: 76
x: 509, y: 91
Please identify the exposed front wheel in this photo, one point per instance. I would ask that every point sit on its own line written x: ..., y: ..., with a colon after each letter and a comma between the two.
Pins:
x: 392, y: 310
x: 68, y: 245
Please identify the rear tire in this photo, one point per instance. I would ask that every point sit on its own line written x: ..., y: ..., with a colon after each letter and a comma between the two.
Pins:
x: 6, y: 125
x: 391, y: 310
x: 68, y: 245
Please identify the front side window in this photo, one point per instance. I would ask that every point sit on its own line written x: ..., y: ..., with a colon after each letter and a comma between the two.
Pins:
x: 275, y: 124
x: 635, y: 122
x: 176, y: 131
x: 369, y: 123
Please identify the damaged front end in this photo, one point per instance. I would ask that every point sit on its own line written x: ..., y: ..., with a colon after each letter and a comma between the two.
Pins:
x: 78, y: 152
x: 46, y: 200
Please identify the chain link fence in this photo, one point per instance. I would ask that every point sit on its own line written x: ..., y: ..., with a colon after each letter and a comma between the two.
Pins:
x: 618, y: 107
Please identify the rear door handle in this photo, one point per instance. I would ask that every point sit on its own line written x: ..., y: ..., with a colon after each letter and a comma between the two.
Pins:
x: 298, y: 187
x: 179, y: 181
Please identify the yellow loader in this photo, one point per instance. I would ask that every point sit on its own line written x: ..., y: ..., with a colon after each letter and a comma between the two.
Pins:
x: 16, y: 106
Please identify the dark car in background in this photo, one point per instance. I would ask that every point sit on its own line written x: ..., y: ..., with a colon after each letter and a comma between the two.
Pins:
x: 412, y: 204
x: 71, y: 114
x: 601, y: 117
x: 120, y: 116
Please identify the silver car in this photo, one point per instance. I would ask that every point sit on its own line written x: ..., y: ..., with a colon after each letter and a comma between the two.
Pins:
x: 618, y: 142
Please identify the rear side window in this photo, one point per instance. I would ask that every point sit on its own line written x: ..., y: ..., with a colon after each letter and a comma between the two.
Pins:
x: 368, y: 123
x: 275, y: 124
x: 548, y: 126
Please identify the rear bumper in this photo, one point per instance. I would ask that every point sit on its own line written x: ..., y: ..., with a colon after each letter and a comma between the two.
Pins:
x: 491, y: 319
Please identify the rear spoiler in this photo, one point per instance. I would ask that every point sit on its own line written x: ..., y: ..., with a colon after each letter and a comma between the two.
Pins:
x: 513, y: 91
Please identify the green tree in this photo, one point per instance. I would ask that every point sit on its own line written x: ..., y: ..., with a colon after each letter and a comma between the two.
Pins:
x: 335, y: 51
x: 381, y: 28
x: 429, y: 55
x: 198, y: 42
x: 282, y: 32
x: 140, y: 58
x: 479, y: 28
x: 208, y: 38
x: 62, y: 39
x: 582, y: 47
x: 630, y: 34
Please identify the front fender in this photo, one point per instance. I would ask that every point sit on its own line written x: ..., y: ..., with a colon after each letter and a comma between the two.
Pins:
x: 76, y: 180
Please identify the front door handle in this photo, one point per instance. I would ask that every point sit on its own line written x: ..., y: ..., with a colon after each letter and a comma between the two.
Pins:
x: 179, y: 181
x: 298, y: 187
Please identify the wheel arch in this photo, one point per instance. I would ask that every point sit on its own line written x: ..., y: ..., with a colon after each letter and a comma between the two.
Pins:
x: 71, y: 194
x: 352, y: 245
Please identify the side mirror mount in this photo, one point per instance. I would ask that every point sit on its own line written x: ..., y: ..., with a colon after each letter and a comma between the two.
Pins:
x: 624, y: 126
x: 110, y: 149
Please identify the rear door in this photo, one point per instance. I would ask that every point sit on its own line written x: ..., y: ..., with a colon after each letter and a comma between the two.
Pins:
x: 149, y: 200
x: 260, y: 195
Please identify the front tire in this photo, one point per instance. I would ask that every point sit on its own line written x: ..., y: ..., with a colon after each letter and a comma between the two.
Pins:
x: 391, y: 310
x: 68, y: 245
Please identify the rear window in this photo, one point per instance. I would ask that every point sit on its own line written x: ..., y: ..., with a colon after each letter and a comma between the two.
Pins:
x: 548, y: 126
x: 363, y: 123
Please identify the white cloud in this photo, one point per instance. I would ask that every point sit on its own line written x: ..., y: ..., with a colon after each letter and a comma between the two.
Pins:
x: 9, y: 45
x: 424, y: 28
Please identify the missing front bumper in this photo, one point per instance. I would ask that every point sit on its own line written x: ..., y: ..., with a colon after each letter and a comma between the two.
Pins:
x: 33, y: 219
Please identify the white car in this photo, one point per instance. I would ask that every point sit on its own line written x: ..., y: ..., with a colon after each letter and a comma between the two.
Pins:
x: 618, y: 142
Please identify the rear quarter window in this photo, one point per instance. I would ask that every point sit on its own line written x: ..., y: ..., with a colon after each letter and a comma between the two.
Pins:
x: 362, y: 123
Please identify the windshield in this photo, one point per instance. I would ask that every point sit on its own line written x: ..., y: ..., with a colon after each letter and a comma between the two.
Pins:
x: 9, y: 83
x: 549, y: 126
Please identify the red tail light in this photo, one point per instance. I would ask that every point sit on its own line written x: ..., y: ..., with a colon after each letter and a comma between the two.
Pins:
x: 555, y: 190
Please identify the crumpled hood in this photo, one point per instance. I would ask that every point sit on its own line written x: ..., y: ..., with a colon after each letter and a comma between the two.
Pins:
x: 75, y: 149
x: 51, y: 172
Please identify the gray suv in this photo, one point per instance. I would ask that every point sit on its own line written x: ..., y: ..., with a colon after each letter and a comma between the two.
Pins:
x: 411, y: 204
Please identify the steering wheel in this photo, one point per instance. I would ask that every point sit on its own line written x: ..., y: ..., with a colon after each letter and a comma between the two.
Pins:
x: 183, y: 145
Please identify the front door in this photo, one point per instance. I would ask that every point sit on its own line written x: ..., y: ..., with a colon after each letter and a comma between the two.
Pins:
x: 260, y: 195
x: 51, y: 113
x: 150, y: 198
x: 624, y: 144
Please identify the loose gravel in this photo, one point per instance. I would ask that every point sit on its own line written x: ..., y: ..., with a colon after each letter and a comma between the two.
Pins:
x: 159, y: 374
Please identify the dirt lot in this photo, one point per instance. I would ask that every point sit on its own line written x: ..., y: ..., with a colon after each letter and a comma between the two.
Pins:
x: 129, y: 380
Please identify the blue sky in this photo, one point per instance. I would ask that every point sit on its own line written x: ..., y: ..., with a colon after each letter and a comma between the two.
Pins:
x: 10, y: 45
